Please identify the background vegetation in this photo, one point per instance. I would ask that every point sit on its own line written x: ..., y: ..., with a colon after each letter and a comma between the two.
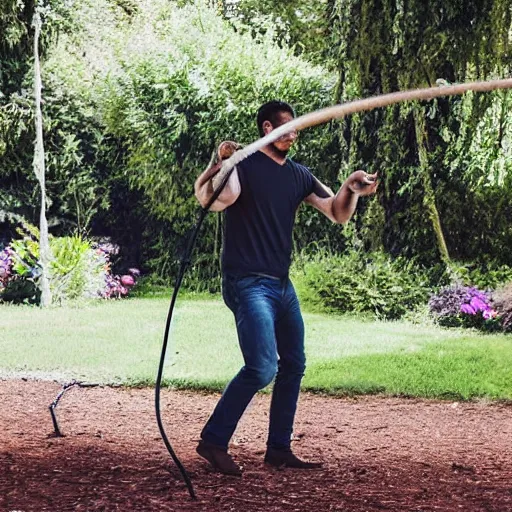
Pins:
x: 137, y: 95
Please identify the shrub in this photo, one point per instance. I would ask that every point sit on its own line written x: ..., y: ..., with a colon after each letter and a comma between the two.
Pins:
x: 15, y: 287
x: 80, y: 269
x: 75, y: 271
x: 20, y: 283
x: 361, y: 283
x: 485, y: 276
x: 502, y: 299
x: 490, y: 277
x: 463, y: 306
x: 185, y: 80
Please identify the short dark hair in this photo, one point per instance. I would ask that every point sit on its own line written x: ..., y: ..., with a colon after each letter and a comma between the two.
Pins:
x: 269, y: 112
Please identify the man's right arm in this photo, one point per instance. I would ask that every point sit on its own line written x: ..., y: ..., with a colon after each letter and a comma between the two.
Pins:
x: 204, y: 188
x: 208, y: 181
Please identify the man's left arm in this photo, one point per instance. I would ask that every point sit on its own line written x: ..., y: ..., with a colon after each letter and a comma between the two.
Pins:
x: 341, y: 206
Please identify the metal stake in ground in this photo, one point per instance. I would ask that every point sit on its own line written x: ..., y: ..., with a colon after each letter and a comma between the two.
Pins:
x: 54, y: 404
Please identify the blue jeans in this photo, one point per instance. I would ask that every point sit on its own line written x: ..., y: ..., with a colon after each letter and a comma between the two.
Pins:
x: 271, y: 336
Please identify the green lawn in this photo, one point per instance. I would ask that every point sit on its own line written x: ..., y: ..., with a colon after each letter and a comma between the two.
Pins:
x: 120, y: 341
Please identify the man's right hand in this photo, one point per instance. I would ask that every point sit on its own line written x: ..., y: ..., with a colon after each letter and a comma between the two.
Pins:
x: 224, y: 151
x: 205, y: 184
x: 227, y: 148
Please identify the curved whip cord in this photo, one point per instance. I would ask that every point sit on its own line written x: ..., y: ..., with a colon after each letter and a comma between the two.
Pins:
x: 183, y: 267
x: 300, y: 123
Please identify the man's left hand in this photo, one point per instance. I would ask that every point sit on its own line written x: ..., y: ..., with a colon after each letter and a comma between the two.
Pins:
x: 362, y: 183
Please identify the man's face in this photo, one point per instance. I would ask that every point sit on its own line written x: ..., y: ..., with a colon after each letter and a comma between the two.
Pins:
x: 284, y: 143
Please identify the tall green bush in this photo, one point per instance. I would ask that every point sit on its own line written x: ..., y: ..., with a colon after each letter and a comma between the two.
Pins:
x: 187, y: 80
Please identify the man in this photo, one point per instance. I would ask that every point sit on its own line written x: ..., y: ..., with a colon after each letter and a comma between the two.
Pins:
x: 260, y: 201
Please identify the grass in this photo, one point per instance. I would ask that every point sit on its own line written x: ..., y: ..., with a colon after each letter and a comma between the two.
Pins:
x: 121, y: 341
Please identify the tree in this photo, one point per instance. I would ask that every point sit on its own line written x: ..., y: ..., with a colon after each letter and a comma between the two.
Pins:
x: 22, y: 45
x: 302, y: 25
x: 389, y: 45
x: 45, y: 253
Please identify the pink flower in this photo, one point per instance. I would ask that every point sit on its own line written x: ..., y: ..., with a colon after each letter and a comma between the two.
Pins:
x: 127, y: 280
x: 489, y: 314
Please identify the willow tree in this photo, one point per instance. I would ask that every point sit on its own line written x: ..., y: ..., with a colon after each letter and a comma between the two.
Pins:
x: 388, y: 45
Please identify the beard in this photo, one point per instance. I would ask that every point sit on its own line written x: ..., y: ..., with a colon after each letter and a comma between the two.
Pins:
x: 279, y: 152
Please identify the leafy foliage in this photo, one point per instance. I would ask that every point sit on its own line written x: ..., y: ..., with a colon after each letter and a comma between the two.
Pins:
x: 137, y: 94
x: 187, y: 80
x: 67, y: 118
x: 80, y: 270
x: 301, y: 25
x: 361, y: 283
x: 489, y: 276
x: 430, y: 155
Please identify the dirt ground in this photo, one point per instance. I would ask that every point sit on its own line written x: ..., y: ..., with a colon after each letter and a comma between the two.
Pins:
x: 379, y: 454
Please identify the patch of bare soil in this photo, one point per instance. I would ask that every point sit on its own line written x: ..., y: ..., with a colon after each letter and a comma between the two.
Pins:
x: 379, y: 454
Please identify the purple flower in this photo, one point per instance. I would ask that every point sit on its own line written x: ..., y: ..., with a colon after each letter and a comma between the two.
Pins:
x: 478, y: 304
x: 466, y: 308
x: 5, y: 265
x: 489, y: 314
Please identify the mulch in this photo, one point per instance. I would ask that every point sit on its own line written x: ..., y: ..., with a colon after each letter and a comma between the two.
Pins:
x: 379, y: 454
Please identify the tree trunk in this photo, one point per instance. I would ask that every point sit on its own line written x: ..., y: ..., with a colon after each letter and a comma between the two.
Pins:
x: 429, y: 198
x: 45, y: 254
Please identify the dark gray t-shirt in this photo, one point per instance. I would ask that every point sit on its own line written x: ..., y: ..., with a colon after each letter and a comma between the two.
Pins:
x: 258, y: 226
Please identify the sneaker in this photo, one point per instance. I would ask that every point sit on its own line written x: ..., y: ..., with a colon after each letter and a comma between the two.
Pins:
x: 287, y: 459
x: 219, y: 458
